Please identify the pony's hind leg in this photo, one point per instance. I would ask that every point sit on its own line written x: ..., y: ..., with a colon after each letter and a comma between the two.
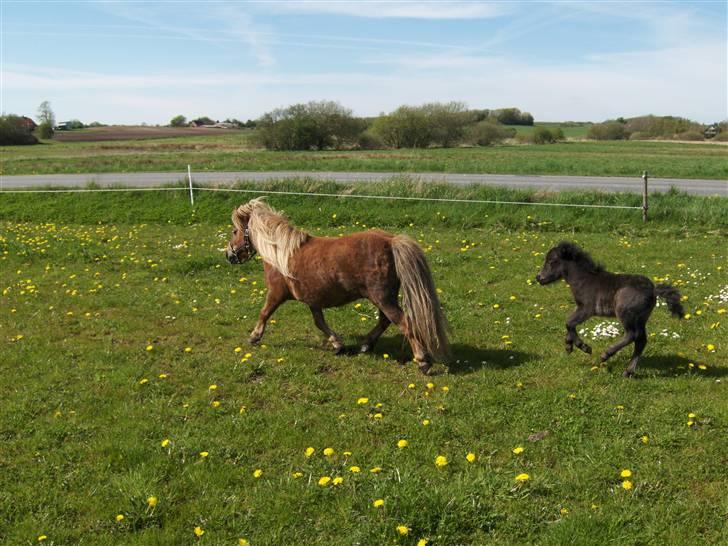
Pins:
x: 371, y: 338
x: 318, y: 319
x: 639, y: 345
x: 579, y: 315
x: 609, y: 352
x: 395, y: 314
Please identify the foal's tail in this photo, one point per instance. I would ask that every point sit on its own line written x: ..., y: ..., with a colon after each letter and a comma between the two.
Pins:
x: 419, y: 297
x: 672, y: 298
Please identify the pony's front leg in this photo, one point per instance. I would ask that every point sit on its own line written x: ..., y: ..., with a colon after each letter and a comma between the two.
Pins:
x: 318, y: 319
x: 572, y: 338
x: 273, y: 299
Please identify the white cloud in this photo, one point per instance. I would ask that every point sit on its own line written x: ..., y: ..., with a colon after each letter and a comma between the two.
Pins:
x: 395, y: 9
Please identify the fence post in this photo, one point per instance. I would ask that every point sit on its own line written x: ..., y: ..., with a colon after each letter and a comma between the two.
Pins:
x: 189, y: 177
x: 645, y: 206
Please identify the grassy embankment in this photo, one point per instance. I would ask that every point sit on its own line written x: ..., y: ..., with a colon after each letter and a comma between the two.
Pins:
x: 94, y: 424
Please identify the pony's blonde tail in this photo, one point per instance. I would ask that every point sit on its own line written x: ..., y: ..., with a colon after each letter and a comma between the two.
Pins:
x: 420, y: 303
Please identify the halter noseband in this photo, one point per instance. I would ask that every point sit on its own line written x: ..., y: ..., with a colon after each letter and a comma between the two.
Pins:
x: 249, y: 248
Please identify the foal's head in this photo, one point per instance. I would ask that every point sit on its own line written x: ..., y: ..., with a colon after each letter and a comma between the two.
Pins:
x: 240, y: 249
x: 560, y: 257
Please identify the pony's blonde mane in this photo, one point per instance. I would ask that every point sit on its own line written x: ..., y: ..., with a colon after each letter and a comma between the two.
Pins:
x: 272, y: 235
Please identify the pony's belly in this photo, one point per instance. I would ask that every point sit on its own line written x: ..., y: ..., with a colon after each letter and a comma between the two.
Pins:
x: 330, y: 295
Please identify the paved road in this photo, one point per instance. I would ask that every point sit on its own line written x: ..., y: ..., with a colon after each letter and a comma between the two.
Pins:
x: 545, y: 183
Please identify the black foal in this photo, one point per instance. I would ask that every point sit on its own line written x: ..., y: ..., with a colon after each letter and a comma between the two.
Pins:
x: 630, y: 298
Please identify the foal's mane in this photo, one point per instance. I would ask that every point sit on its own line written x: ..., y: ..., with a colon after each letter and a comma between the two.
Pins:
x: 576, y: 254
x: 271, y: 233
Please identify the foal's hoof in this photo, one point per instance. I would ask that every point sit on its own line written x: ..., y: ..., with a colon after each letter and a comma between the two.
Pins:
x: 365, y: 348
x: 254, y: 340
x: 425, y: 367
x: 604, y: 357
x: 569, y: 348
x: 340, y: 350
x: 628, y: 374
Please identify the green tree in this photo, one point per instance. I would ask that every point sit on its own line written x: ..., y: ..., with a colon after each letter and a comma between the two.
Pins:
x: 178, y: 121
x: 46, y: 120
x: 14, y: 132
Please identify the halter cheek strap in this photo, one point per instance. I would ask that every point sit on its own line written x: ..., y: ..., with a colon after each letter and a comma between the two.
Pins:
x: 249, y: 248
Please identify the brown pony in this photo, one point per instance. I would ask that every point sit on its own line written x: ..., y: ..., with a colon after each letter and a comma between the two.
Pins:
x: 332, y: 271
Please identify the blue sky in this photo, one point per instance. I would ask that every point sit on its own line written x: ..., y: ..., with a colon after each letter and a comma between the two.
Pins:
x: 131, y: 62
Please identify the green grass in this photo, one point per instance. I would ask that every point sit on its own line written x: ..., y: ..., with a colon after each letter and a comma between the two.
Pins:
x: 90, y: 280
x: 234, y: 153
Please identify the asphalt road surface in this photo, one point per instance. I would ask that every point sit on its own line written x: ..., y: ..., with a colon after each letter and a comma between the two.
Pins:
x: 544, y: 183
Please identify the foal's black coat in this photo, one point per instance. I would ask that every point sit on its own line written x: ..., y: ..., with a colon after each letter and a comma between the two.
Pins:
x: 630, y: 298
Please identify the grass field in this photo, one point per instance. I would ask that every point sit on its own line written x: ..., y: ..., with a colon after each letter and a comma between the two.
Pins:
x: 134, y: 412
x: 234, y: 152
x: 576, y: 130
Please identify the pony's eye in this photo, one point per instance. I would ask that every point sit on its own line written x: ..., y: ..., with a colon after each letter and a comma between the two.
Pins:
x: 235, y: 232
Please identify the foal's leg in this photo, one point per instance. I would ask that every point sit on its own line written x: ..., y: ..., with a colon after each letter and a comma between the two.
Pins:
x: 639, y: 345
x: 579, y: 315
x: 376, y: 332
x: 609, y: 352
x: 318, y: 319
x: 275, y: 296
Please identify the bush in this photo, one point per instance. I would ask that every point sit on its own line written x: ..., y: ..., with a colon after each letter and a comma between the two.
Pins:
x: 610, y: 130
x: 13, y: 132
x: 542, y: 135
x: 512, y: 116
x: 486, y: 133
x: 45, y: 130
x: 369, y: 141
x: 315, y: 125
x: 720, y: 137
x: 421, y: 126
x: 690, y: 135
x: 661, y: 126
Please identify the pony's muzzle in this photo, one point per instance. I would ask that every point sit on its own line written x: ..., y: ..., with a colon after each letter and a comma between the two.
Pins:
x: 232, y: 257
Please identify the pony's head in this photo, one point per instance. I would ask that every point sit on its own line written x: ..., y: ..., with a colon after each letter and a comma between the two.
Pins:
x: 558, y: 259
x: 240, y: 248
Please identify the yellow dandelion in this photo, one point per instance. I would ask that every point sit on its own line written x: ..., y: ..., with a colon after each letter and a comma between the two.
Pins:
x: 324, y: 481
x: 238, y: 349
x: 165, y: 442
x: 402, y: 444
x: 354, y: 469
x: 626, y: 484
x: 329, y: 451
x: 403, y: 530
x: 151, y: 502
x: 212, y: 387
x: 470, y: 457
x: 363, y: 400
x: 422, y: 542
x: 426, y: 422
x: 257, y: 473
x: 119, y: 518
x: 297, y: 475
x: 626, y: 473
x: 215, y: 404
x: 376, y: 470
x: 710, y: 347
x: 150, y: 347
x: 430, y: 386
x: 411, y: 386
x: 204, y: 454
x: 199, y: 531
x: 378, y: 503
x: 338, y: 480
x: 564, y: 511
x: 523, y: 477
x: 385, y: 356
x: 243, y: 542
x: 188, y: 349
x: 645, y: 439
x: 309, y: 451
x: 144, y: 381
x: 440, y: 461
x: 41, y: 538
x: 517, y: 450
x: 162, y: 376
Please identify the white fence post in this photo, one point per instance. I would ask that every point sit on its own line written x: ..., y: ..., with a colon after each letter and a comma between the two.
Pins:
x: 189, y: 177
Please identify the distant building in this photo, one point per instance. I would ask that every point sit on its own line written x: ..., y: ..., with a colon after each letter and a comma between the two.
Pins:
x: 28, y: 123
x: 711, y: 131
x: 63, y: 126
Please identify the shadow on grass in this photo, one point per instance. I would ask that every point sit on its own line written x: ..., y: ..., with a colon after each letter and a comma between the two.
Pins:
x: 673, y: 365
x: 465, y: 358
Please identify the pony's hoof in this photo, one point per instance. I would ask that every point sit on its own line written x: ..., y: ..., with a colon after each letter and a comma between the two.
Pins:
x: 425, y: 367
x: 569, y: 349
x: 604, y: 357
x: 365, y: 348
x: 586, y: 348
x: 340, y: 350
x: 254, y: 340
x: 628, y: 374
